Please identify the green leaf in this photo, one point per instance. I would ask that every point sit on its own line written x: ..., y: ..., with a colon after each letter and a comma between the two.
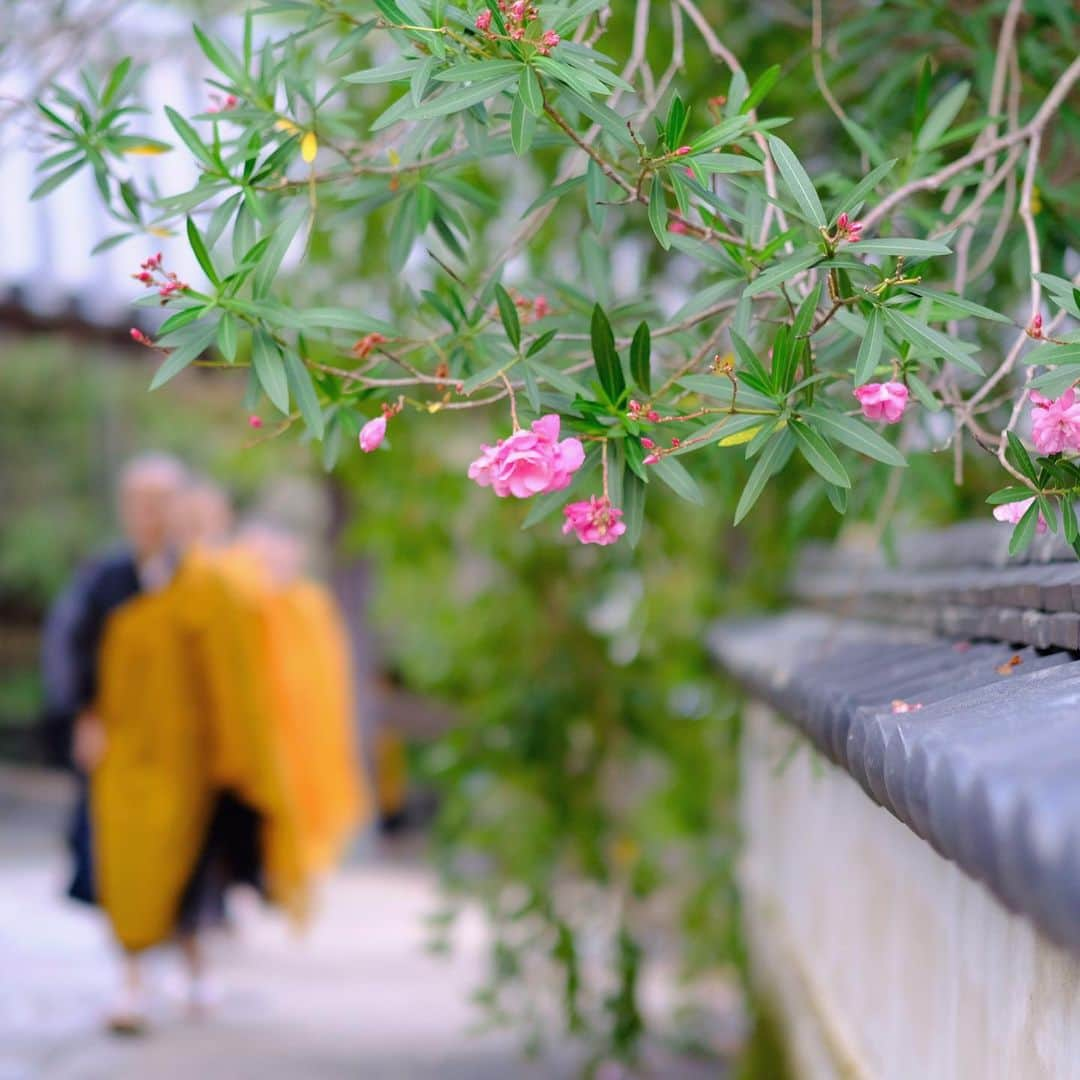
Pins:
x: 899, y: 245
x: 226, y: 337
x: 1024, y: 532
x: 958, y: 303
x: 509, y: 315
x: 198, y: 247
x: 303, y: 390
x: 1017, y: 456
x: 270, y: 370
x: 480, y: 71
x: 180, y: 318
x: 633, y: 507
x: 819, y: 454
x: 942, y: 115
x: 346, y: 319
x: 459, y: 99
x: 658, y: 216
x: 797, y: 182
x: 765, y: 82
x: 854, y: 199
x: 280, y: 240
x: 640, y: 356
x: 182, y: 356
x: 870, y: 349
x: 749, y: 359
x: 676, y: 122
x: 1054, y: 354
x: 855, y: 434
x: 605, y: 356
x: 929, y: 340
x: 674, y: 474
x: 1010, y: 494
x: 190, y: 137
x: 51, y: 183
x: 781, y: 271
x: 392, y: 72
x: 531, y: 94
x: 522, y: 126
x: 771, y: 460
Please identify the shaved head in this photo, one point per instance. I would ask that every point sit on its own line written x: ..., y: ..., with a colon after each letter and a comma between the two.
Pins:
x: 202, y: 515
x: 147, y: 488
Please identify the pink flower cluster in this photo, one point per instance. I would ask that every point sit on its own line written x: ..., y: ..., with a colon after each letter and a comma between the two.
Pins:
x: 883, y: 401
x: 848, y: 230
x: 595, y: 521
x: 530, y: 462
x: 1012, y: 513
x: 517, y: 15
x: 532, y: 310
x: 154, y: 276
x: 1055, y: 424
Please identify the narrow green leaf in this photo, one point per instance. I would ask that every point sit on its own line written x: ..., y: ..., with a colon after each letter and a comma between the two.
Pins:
x: 531, y: 94
x: 870, y: 349
x: 899, y: 245
x: 819, y: 454
x: 522, y: 126
x: 182, y: 356
x: 773, y: 458
x: 633, y: 507
x: 658, y: 215
x: 781, y: 271
x: 509, y: 315
x: 941, y: 116
x: 198, y: 247
x: 797, y: 182
x: 1024, y: 532
x: 270, y: 370
x: 606, y: 358
x: 640, y: 357
x: 854, y: 433
x: 226, y: 337
x: 674, y: 474
x: 281, y: 238
x: 929, y: 340
x: 303, y: 390
x: 854, y: 199
x: 51, y: 183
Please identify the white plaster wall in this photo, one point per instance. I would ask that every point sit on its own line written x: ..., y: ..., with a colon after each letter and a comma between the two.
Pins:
x: 884, y: 959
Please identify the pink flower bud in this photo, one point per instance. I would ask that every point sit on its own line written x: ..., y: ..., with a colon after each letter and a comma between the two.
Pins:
x: 652, y: 459
x: 1036, y: 325
x: 652, y: 415
x: 676, y: 443
x: 677, y: 225
x: 372, y: 434
x: 541, y: 307
x: 648, y: 443
x: 842, y: 222
x: 683, y: 151
x: 139, y: 337
x: 550, y: 39
x: 483, y: 21
x: 255, y: 421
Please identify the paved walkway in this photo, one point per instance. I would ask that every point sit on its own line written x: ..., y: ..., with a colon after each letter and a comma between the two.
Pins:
x: 357, y: 997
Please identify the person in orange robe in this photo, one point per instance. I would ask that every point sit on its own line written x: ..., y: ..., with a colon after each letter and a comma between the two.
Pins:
x: 192, y: 792
x: 311, y: 681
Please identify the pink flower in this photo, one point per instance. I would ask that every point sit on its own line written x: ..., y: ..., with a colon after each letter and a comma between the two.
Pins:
x: 595, y: 521
x: 483, y: 21
x: 847, y: 229
x: 1012, y: 512
x: 529, y: 462
x: 1055, y: 425
x: 541, y: 307
x: 549, y: 41
x: 883, y: 401
x: 255, y: 421
x: 372, y: 434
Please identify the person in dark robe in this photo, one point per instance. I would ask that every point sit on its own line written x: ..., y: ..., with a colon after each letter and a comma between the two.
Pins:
x: 75, y: 626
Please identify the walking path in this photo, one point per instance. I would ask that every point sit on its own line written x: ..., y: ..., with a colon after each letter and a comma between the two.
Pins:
x: 357, y: 996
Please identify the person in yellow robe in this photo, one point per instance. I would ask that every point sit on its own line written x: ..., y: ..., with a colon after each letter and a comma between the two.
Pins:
x: 311, y: 682
x: 192, y: 792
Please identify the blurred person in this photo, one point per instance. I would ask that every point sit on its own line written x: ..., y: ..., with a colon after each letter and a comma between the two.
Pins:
x: 190, y: 794
x: 312, y: 683
x: 71, y: 643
